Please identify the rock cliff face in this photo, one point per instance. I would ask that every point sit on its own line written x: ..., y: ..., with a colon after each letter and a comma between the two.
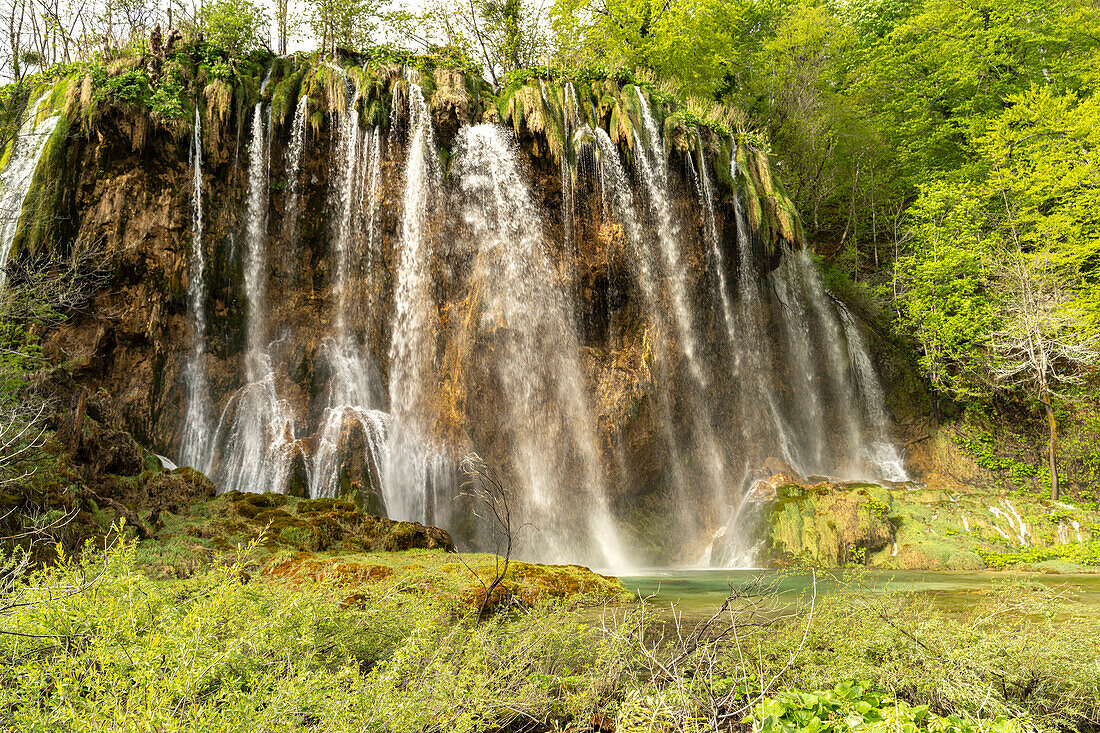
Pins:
x: 606, y: 300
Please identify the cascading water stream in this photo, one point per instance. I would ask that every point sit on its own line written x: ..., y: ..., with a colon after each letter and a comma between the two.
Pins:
x: 354, y: 388
x: 753, y: 363
x: 569, y: 121
x: 804, y: 378
x: 412, y: 347
x: 293, y: 171
x: 710, y: 226
x: 653, y: 170
x: 255, y: 435
x: 534, y: 354
x: 195, y: 443
x: 17, y: 176
x: 845, y: 415
x: 369, y: 205
x: 879, y: 453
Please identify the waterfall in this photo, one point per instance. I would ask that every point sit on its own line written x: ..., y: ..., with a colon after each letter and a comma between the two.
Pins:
x: 17, y: 176
x: 194, y: 446
x: 255, y: 435
x: 616, y: 195
x: 653, y: 171
x: 291, y: 208
x: 353, y: 426
x: 534, y: 353
x: 412, y: 347
x: 718, y: 359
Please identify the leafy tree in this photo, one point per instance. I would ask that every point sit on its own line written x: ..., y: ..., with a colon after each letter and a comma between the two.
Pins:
x: 1041, y: 152
x: 346, y: 23
x: 236, y: 27
x: 942, y: 287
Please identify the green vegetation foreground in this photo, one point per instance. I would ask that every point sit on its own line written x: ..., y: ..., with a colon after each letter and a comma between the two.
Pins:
x: 99, y: 644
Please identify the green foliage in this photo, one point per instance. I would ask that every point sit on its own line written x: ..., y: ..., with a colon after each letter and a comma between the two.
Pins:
x: 166, y: 100
x: 983, y: 450
x: 852, y: 707
x: 1004, y: 652
x: 944, y: 286
x: 1079, y: 553
x: 226, y: 648
x: 131, y: 87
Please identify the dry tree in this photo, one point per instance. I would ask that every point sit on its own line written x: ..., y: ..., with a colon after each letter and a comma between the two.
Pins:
x: 494, y: 505
x: 1044, y: 344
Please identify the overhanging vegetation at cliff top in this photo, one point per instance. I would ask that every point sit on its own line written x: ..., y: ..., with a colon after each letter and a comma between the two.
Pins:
x: 548, y: 108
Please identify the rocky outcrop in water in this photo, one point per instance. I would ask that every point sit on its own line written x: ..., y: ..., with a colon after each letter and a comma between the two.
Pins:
x: 603, y: 296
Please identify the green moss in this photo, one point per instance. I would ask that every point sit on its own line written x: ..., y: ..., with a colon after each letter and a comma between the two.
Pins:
x: 917, y: 528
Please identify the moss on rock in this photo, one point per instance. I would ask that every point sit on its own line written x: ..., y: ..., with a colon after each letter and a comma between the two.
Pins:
x: 913, y: 527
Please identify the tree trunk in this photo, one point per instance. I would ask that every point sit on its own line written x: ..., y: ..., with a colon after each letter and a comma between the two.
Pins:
x: 1050, y: 449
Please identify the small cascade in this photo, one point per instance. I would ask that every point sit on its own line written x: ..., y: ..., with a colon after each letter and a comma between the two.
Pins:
x: 293, y: 170
x: 879, y: 452
x: 16, y: 178
x: 414, y: 322
x: 351, y: 430
x: 195, y: 443
x: 844, y: 423
x: 831, y: 361
x: 534, y: 352
x: 255, y: 435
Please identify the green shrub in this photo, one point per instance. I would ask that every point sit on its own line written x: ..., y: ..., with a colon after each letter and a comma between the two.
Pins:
x: 852, y: 707
x: 1081, y: 553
